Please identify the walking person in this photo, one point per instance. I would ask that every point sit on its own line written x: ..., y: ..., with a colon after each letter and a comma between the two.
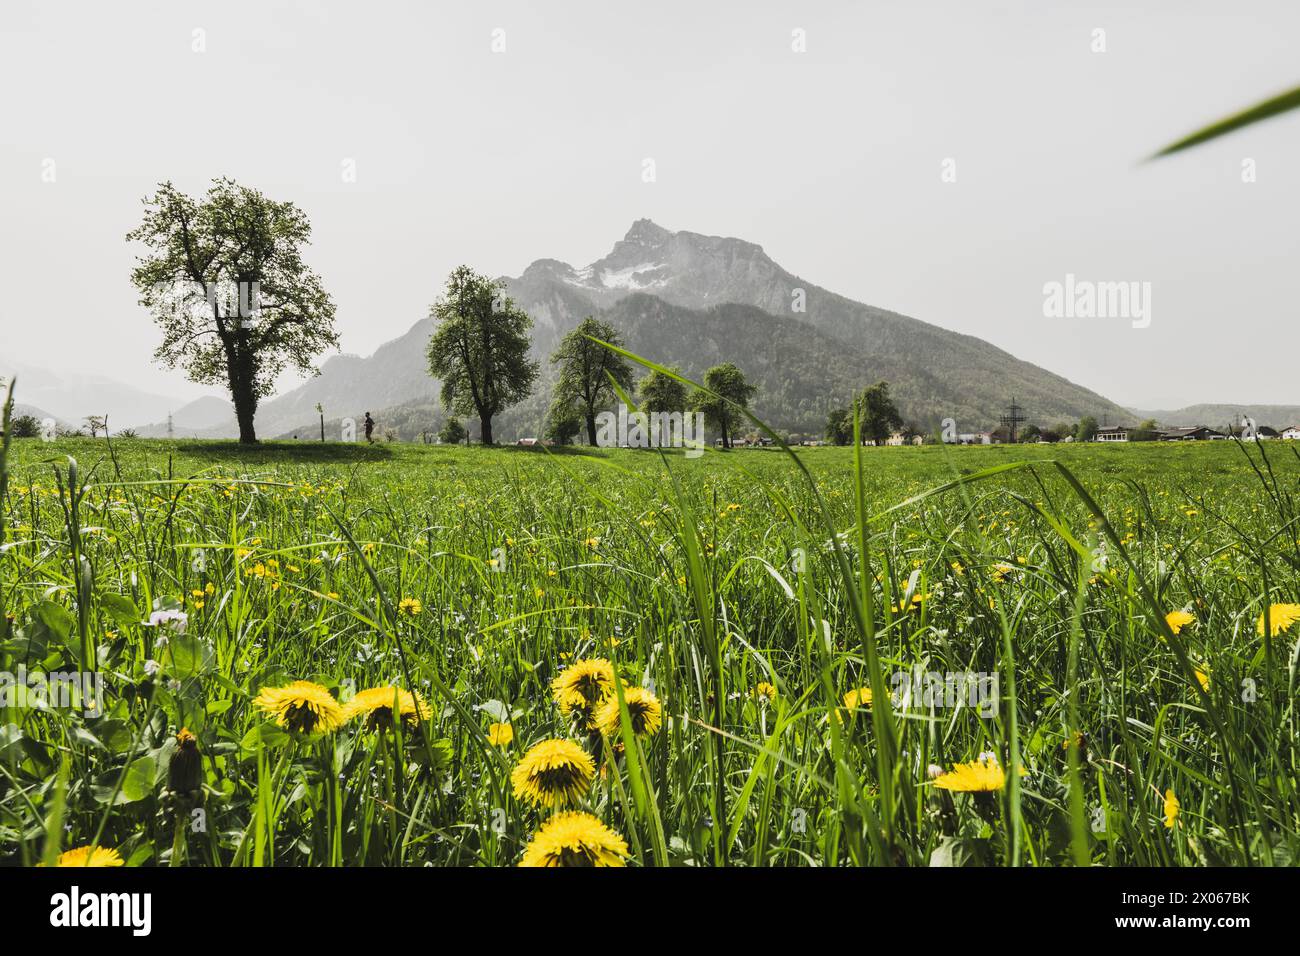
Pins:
x: 370, y: 428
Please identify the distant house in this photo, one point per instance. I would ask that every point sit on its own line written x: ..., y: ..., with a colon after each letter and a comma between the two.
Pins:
x: 527, y: 442
x: 1192, y: 433
x: 975, y: 438
x: 898, y: 438
x: 1291, y: 432
x: 1113, y: 433
x: 1265, y: 432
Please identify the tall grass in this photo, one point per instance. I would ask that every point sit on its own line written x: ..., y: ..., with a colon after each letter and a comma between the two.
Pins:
x: 815, y: 571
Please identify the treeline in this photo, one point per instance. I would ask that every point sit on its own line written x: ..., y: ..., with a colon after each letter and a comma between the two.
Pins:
x: 480, y: 352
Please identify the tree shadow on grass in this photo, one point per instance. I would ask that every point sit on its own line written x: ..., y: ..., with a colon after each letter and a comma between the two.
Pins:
x: 323, y: 453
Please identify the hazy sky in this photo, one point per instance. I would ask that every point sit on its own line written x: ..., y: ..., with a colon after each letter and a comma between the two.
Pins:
x: 830, y: 159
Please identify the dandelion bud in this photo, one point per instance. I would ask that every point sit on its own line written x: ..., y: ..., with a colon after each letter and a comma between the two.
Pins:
x: 185, y: 772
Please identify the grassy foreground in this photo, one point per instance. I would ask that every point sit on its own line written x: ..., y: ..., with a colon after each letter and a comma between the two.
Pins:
x: 729, y: 594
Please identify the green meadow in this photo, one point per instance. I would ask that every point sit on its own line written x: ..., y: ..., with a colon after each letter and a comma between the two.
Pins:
x: 785, y: 613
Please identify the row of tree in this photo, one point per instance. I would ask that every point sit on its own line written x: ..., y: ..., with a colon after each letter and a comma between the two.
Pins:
x: 480, y: 351
x: 225, y: 279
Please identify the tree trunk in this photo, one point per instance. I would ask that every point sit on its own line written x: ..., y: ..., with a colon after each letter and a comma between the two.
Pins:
x: 244, y: 410
x: 485, y: 429
x: 726, y: 441
x: 241, y: 394
x: 591, y: 429
x: 240, y: 378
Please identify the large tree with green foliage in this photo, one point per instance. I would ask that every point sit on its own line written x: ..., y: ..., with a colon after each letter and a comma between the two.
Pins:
x: 880, y: 416
x: 662, y: 393
x: 1086, y: 430
x: 563, y: 423
x: 586, y: 370
x: 225, y: 280
x: 839, y: 426
x: 452, y: 432
x: 725, y: 382
x: 480, y: 348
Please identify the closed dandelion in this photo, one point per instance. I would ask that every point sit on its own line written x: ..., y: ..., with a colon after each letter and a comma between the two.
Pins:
x: 185, y: 770
x: 1172, y: 809
x: 553, y: 774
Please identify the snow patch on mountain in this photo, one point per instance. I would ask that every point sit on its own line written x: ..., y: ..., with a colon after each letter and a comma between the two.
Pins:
x: 634, y: 278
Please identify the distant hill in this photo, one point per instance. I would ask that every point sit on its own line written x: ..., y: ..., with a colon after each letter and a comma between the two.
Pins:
x: 347, y: 387
x: 1217, y: 416
x: 39, y: 414
x: 70, y: 397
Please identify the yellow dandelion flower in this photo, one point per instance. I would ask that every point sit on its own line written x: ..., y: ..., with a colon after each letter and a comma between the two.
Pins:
x: 643, y: 710
x: 574, y: 839
x: 1172, y: 807
x: 916, y: 602
x: 1280, y: 618
x: 500, y: 735
x: 302, y: 707
x: 853, y: 700
x: 90, y: 856
x: 1203, y: 679
x: 554, y: 773
x: 583, y: 684
x: 1177, y: 620
x: 984, y: 775
x: 765, y: 691
x: 410, y: 606
x: 375, y: 704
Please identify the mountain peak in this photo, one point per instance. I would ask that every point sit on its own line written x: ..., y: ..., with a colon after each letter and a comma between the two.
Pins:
x: 646, y: 233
